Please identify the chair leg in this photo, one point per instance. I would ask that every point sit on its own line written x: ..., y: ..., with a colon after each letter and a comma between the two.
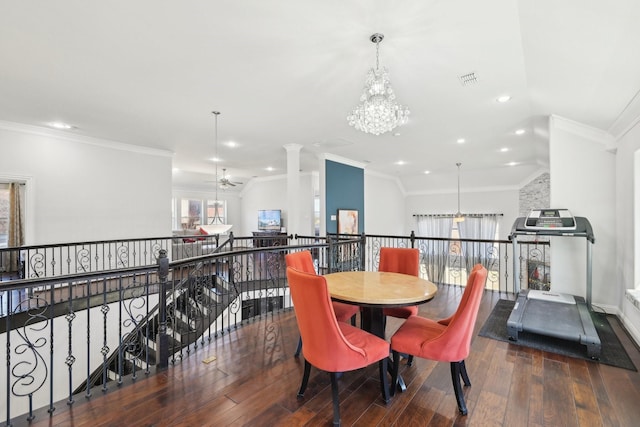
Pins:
x: 336, y: 402
x: 305, y: 378
x: 384, y: 382
x: 456, y: 373
x: 299, y: 348
x: 353, y: 320
x: 464, y: 375
x: 394, y: 373
x: 410, y: 360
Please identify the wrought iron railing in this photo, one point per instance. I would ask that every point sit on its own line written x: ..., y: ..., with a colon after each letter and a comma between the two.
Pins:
x: 447, y: 261
x: 111, y: 326
x: 53, y: 260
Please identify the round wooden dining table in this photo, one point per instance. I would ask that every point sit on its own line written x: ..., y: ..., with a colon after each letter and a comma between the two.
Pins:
x: 375, y: 290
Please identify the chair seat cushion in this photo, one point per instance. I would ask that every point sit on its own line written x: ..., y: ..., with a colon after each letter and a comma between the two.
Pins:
x: 374, y: 348
x: 401, y: 312
x: 416, y: 337
x: 344, y: 312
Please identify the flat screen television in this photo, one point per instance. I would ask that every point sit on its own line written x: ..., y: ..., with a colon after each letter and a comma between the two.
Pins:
x: 270, y: 220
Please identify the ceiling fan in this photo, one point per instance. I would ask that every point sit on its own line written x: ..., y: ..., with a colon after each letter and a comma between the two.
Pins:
x: 225, y: 182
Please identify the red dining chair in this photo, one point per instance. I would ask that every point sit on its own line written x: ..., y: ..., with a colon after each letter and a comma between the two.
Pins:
x: 304, y: 262
x: 328, y: 344
x: 405, y: 261
x: 447, y: 340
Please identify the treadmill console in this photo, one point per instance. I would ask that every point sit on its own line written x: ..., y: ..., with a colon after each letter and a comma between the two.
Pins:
x: 550, y: 219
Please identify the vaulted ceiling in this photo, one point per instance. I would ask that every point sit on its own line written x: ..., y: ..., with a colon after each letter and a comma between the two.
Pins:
x: 283, y: 72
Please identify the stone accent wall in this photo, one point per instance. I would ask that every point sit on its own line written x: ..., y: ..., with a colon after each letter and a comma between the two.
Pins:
x: 535, y: 195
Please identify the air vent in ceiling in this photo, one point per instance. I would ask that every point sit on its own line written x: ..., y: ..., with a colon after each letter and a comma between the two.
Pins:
x: 468, y: 79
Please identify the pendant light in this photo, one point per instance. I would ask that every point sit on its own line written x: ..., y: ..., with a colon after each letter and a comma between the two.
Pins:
x: 458, y: 217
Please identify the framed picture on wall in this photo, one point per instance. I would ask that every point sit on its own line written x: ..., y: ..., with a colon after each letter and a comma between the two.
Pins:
x: 347, y: 221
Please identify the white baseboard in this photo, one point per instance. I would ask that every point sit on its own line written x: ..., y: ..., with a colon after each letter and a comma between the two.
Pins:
x: 630, y: 315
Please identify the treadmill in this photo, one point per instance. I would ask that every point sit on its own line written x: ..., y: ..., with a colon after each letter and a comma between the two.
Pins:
x: 550, y: 313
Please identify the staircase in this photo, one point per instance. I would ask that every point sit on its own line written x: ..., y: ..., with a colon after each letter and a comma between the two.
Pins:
x: 192, y: 306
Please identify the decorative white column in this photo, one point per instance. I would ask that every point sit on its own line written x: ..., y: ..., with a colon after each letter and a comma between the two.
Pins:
x: 293, y: 187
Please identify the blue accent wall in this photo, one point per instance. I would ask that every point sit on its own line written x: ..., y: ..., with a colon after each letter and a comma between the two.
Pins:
x: 344, y: 187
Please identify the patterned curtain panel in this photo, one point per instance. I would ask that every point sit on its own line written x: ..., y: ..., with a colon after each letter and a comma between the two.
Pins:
x: 435, y: 253
x: 478, y: 228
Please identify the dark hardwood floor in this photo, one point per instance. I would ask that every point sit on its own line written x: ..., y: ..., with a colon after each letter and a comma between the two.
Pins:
x: 254, y: 380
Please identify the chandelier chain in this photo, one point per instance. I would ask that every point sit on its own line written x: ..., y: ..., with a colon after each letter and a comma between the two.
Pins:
x: 216, y: 215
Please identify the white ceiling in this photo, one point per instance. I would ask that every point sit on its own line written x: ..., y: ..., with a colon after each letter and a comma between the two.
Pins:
x: 150, y: 72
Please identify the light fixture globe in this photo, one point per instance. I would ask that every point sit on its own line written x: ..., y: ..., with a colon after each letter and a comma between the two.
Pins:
x: 378, y: 111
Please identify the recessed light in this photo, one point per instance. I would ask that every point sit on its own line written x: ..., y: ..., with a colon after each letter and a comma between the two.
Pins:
x: 269, y: 169
x: 216, y: 159
x: 460, y: 140
x: 520, y: 132
x: 427, y: 172
x: 231, y: 144
x: 503, y: 98
x: 60, y: 125
x: 397, y: 134
x: 401, y: 162
x: 512, y: 163
x: 504, y: 149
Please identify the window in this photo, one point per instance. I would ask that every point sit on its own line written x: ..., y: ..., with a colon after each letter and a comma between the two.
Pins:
x: 216, y: 210
x: 189, y: 213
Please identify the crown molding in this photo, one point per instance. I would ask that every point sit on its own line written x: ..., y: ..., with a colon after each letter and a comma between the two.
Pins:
x: 628, y: 118
x: 81, y: 139
x: 591, y: 133
x: 343, y: 160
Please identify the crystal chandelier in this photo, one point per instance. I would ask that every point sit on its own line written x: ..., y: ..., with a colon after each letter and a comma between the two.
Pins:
x: 378, y: 111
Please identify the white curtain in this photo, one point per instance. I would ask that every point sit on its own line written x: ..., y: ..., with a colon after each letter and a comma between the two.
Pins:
x: 435, y: 252
x: 478, y: 228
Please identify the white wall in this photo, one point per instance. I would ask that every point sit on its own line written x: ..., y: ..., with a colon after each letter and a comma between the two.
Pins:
x: 87, y: 189
x: 583, y: 181
x: 383, y: 205
x: 271, y: 193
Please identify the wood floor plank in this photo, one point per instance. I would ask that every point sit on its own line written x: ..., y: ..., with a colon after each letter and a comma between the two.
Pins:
x: 586, y: 400
x: 536, y: 399
x: 421, y: 408
x: 622, y: 388
x: 607, y: 412
x: 371, y: 416
x: 519, y: 396
x: 489, y: 410
x: 558, y: 401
